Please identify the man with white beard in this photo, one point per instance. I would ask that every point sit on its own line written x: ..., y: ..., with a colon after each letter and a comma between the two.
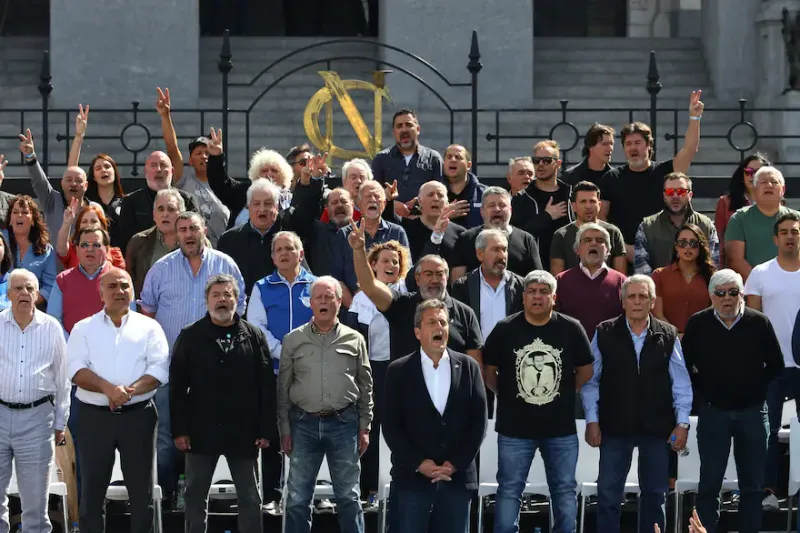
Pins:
x: 431, y: 274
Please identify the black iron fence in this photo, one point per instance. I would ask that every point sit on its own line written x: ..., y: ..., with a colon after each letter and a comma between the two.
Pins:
x: 741, y: 135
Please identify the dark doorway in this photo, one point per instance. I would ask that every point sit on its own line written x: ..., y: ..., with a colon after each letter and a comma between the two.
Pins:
x: 580, y: 18
x: 291, y: 18
x: 30, y: 18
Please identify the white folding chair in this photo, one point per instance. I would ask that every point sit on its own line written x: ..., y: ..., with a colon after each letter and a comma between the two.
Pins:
x: 57, y: 488
x: 384, y: 481
x: 120, y: 492
x: 794, y: 467
x: 222, y: 487
x: 589, y: 488
x: 536, y: 483
x: 689, y: 472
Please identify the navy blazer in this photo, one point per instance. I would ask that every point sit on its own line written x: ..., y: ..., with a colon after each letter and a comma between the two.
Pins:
x: 414, y: 430
x: 467, y: 290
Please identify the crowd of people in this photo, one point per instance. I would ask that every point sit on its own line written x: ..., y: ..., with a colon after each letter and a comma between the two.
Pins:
x: 205, y: 316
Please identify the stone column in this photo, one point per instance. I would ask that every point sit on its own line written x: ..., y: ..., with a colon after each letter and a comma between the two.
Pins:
x: 730, y: 43
x: 112, y: 52
x: 440, y: 32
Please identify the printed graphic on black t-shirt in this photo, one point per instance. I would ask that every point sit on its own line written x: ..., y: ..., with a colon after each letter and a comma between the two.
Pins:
x: 536, y: 374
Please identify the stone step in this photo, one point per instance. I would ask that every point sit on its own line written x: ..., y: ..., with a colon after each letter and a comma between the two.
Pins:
x: 591, y: 54
x: 615, y: 44
x: 622, y: 67
x: 630, y: 80
x: 608, y: 91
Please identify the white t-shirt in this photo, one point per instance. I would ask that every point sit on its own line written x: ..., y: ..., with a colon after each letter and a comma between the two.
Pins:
x: 369, y: 315
x: 780, y: 301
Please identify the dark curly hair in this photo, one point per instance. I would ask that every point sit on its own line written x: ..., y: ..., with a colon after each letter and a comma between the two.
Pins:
x: 38, y: 235
x: 704, y: 263
x: 7, y: 263
x: 736, y: 186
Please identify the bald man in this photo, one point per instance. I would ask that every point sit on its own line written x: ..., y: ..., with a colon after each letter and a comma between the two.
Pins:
x: 117, y: 358
x: 136, y: 213
x: 52, y: 202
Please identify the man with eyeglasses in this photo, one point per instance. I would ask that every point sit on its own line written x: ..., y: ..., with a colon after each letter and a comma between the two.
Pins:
x: 774, y: 289
x: 655, y: 238
x: 543, y: 207
x: 733, y: 355
x: 748, y: 238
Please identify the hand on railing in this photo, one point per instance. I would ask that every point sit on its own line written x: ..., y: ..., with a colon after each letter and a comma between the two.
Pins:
x: 163, y: 104
x: 215, y: 146
x: 26, y: 143
x: 81, y: 120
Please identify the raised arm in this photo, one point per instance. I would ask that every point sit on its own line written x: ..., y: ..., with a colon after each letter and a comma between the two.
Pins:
x: 81, y: 120
x: 230, y: 192
x: 691, y: 140
x: 379, y: 293
x: 163, y: 107
x: 62, y: 241
x: 44, y: 192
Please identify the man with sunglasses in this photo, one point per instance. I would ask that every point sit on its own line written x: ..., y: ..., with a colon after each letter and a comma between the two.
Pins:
x: 544, y: 206
x: 774, y: 289
x: 655, y: 238
x: 732, y: 354
x: 76, y: 293
x: 749, y: 236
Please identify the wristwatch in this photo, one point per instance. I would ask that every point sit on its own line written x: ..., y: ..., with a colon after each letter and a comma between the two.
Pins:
x: 684, y: 426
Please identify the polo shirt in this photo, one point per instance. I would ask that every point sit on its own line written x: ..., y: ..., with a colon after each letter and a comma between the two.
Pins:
x: 756, y: 230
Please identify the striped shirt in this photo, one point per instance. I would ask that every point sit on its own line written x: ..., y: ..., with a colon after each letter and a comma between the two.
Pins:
x: 33, y: 363
x: 177, y: 296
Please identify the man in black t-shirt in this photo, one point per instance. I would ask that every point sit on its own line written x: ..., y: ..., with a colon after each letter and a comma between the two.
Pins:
x: 598, y: 147
x: 431, y: 274
x: 634, y: 191
x: 535, y: 360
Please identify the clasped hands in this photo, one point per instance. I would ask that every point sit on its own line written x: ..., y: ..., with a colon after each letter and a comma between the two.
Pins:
x: 435, y: 472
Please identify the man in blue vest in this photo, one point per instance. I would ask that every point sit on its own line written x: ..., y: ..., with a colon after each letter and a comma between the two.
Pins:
x: 279, y: 303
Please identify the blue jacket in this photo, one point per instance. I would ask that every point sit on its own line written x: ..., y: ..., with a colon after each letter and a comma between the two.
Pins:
x: 285, y: 312
x: 472, y: 193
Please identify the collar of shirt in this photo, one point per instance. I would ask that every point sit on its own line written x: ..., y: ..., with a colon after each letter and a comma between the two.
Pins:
x: 597, y: 272
x: 638, y: 340
x: 107, y: 319
x: 203, y: 257
x: 316, y: 331
x: 736, y: 320
x: 302, y: 277
x: 8, y: 316
x: 426, y: 359
x: 256, y: 230
x: 91, y: 276
x: 500, y: 286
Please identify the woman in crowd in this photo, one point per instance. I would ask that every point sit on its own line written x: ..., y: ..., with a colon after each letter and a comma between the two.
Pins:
x: 682, y: 286
x: 29, y: 243
x: 66, y: 245
x: 150, y: 245
x: 5, y: 268
x: 390, y: 261
x: 740, y: 193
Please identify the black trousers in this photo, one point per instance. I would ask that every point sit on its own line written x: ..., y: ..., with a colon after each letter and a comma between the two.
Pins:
x: 271, y: 470
x: 369, y: 461
x: 133, y: 433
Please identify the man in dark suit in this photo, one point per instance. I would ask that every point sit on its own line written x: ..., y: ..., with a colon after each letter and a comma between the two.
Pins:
x: 435, y: 422
x: 491, y: 290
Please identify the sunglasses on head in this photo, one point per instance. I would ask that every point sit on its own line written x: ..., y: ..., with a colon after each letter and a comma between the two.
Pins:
x: 545, y: 160
x: 730, y: 292
x: 690, y: 243
x: 679, y: 192
x: 85, y: 245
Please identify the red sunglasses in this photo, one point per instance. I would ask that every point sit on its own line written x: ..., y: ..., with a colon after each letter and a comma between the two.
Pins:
x: 749, y: 172
x: 681, y: 192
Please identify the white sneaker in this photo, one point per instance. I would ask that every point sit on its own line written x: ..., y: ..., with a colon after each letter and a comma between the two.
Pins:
x: 770, y: 503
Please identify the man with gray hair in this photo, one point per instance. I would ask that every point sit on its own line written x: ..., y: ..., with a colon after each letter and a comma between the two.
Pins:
x: 430, y: 273
x: 222, y: 402
x: 173, y: 294
x: 639, y: 396
x: 733, y: 355
x: 591, y: 291
x: 324, y: 409
x: 535, y: 361
x: 523, y: 251
x: 748, y: 238
x: 34, y: 399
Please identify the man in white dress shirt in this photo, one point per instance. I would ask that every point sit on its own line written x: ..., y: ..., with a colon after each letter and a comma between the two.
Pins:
x: 34, y: 400
x: 117, y: 358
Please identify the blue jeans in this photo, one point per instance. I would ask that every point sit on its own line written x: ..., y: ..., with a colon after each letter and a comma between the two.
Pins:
x: 615, y: 463
x: 314, y: 438
x: 166, y: 452
x: 515, y: 457
x: 749, y: 429
x: 73, y: 431
x: 438, y: 508
x: 786, y: 385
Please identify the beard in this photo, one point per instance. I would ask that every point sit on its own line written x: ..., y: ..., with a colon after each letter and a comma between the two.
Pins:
x: 433, y: 293
x: 223, y: 315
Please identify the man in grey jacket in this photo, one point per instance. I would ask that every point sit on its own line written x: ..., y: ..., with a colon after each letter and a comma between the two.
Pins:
x: 52, y: 202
